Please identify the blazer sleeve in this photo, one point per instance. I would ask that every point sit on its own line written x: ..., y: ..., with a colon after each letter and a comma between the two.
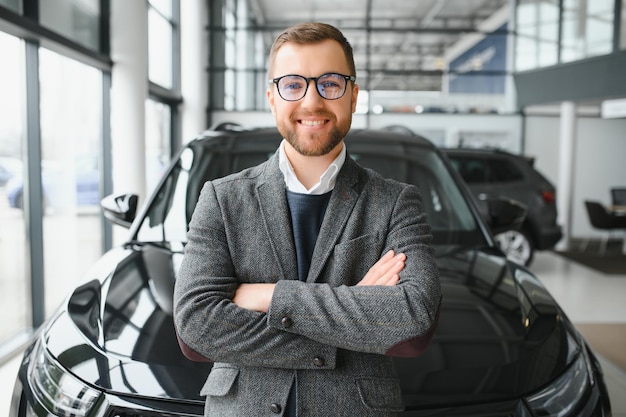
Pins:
x: 398, y: 321
x: 209, y: 326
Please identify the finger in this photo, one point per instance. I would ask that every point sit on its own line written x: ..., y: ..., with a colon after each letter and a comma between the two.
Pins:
x: 375, y: 271
x: 387, y: 262
x: 391, y: 277
x: 393, y: 280
x: 384, y: 269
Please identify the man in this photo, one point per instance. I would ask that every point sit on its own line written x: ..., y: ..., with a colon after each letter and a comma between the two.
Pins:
x: 303, y: 276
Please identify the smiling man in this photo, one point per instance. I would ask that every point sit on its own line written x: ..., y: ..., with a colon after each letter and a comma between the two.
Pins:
x: 305, y: 275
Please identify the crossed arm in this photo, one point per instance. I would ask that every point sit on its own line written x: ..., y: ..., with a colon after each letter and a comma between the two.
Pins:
x: 257, y: 297
x: 284, y: 324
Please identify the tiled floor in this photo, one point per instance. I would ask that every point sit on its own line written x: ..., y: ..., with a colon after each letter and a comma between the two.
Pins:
x: 594, y: 302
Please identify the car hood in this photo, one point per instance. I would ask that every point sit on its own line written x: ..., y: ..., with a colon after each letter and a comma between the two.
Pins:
x: 500, y: 335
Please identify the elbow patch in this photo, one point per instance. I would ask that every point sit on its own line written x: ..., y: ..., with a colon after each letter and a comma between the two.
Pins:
x: 416, y: 345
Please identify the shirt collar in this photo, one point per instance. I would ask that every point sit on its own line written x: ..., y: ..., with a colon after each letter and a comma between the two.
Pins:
x: 327, y: 179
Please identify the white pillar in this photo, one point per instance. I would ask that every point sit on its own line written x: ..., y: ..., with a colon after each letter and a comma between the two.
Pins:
x: 129, y: 91
x: 567, y: 154
x: 194, y: 58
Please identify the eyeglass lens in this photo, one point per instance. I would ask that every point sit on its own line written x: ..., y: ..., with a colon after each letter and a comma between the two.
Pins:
x: 329, y: 86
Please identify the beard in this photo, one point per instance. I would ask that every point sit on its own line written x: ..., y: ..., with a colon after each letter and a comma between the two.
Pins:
x: 315, y: 144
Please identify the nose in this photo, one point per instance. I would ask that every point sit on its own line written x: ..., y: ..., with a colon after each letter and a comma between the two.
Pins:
x: 312, y: 97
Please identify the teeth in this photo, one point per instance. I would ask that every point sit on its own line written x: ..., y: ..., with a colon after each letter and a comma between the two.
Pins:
x: 312, y: 122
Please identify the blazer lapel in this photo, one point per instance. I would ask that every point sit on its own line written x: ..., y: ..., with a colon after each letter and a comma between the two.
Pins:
x: 275, y: 215
x: 342, y: 201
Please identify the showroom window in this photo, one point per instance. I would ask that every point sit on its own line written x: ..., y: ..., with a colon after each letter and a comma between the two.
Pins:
x: 52, y: 140
x: 160, y: 42
x: 420, y: 82
x: 622, y: 42
x: 71, y: 142
x: 11, y: 4
x: 237, y: 60
x: 550, y: 32
x: 78, y: 20
x: 537, y: 34
x: 230, y: 56
x: 14, y: 253
x: 162, y: 132
x: 587, y: 29
x: 158, y: 141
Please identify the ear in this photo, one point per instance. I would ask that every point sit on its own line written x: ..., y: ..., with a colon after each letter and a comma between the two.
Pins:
x: 355, y: 94
x: 270, y: 98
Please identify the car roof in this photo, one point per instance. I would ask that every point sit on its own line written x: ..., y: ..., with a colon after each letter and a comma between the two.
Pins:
x: 228, y: 132
x: 469, y: 151
x: 486, y: 152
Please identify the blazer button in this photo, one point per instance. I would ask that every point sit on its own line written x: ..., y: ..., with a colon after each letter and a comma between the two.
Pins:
x: 275, y: 408
x: 286, y: 322
x: 319, y: 362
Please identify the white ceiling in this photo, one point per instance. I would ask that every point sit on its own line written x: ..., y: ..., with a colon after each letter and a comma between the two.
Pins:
x: 409, y: 41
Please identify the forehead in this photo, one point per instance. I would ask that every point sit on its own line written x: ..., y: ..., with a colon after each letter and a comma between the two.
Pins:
x: 310, y: 60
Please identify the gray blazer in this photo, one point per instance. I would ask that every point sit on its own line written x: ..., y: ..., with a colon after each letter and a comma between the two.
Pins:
x: 332, y: 339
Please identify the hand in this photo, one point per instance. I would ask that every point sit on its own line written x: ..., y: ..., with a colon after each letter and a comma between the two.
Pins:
x: 255, y: 297
x: 385, y: 271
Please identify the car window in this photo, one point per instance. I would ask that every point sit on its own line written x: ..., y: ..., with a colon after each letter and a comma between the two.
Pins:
x: 441, y: 199
x: 170, y: 210
x: 485, y: 170
x: 172, y: 207
x: 502, y: 170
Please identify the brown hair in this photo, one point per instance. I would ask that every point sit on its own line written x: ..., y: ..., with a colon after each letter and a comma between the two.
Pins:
x: 309, y: 33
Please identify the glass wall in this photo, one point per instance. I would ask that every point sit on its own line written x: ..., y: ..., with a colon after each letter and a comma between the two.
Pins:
x: 49, y: 237
x: 160, y: 42
x: 587, y: 29
x: 71, y: 143
x: 476, y: 81
x: 550, y: 32
x: 78, y: 20
x: 14, y: 288
x: 158, y: 141
x: 163, y: 70
x: 537, y: 34
x: 11, y: 4
x: 241, y: 57
x: 622, y: 39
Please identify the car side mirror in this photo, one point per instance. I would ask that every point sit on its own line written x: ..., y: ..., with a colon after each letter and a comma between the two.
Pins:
x: 505, y: 214
x: 120, y: 209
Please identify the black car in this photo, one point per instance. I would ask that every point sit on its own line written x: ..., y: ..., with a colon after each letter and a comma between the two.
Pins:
x: 503, y: 346
x: 492, y: 173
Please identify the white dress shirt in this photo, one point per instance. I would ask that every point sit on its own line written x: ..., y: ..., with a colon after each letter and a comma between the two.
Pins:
x: 327, y: 179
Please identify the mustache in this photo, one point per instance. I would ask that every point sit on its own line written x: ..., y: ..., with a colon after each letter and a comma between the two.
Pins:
x: 302, y: 115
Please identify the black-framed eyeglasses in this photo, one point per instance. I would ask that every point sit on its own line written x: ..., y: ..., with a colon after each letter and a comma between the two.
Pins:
x: 330, y: 86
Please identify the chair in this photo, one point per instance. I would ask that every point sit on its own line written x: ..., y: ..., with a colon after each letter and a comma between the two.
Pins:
x: 600, y: 218
x: 618, y: 196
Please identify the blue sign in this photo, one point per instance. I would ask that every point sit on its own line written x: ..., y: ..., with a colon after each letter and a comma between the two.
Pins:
x: 482, y: 68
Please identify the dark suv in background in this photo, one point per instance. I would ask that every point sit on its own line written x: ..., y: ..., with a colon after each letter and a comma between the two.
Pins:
x: 495, y: 173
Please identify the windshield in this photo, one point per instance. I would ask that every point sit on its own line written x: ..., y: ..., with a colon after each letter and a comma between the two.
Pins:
x: 171, y: 208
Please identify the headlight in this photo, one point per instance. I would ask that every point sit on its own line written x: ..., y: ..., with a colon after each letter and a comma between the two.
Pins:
x: 562, y: 397
x: 56, y: 389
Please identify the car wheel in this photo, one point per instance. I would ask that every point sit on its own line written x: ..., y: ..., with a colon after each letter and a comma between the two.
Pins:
x: 517, y: 246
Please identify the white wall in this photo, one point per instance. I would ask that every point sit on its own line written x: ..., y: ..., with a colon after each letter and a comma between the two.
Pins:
x: 599, y: 164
